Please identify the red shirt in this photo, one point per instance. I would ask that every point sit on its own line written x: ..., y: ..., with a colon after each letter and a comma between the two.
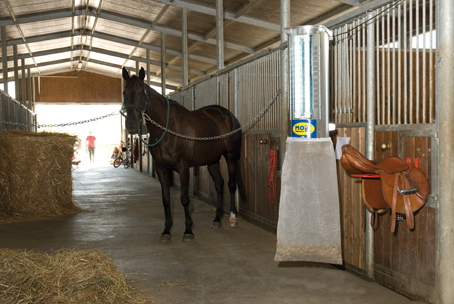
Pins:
x: 91, y: 141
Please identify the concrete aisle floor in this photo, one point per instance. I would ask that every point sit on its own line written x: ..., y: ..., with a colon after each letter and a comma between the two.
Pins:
x: 223, y: 265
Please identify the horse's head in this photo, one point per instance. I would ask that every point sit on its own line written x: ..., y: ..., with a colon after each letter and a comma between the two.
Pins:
x: 135, y: 99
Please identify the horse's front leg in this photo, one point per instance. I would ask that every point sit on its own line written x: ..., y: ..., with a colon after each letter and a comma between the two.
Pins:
x: 184, y: 181
x: 164, y: 176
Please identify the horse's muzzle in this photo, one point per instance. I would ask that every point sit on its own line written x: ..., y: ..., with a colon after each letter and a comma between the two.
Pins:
x: 132, y: 126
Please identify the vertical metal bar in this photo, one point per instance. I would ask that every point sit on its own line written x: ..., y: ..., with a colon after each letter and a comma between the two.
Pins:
x: 431, y: 85
x: 24, y: 82
x: 163, y: 64
x: 377, y: 69
x: 359, y: 69
x: 336, y: 77
x: 445, y: 122
x: 364, y: 90
x: 285, y: 22
x: 351, y: 52
x: 220, y: 34
x: 417, y: 120
x: 405, y: 38
x: 383, y: 78
x: 345, y: 72
x: 410, y: 58
x: 4, y: 59
x: 29, y: 104
x: 184, y: 47
x: 399, y: 66
x: 16, y: 72
x: 424, y: 54
x: 388, y: 56
x: 147, y: 55
x: 355, y: 72
x: 370, y: 136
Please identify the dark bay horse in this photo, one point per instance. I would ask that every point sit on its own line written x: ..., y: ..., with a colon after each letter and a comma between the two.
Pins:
x: 174, y: 153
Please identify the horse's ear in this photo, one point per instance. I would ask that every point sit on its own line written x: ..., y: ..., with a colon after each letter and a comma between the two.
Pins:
x: 125, y: 74
x: 142, y: 74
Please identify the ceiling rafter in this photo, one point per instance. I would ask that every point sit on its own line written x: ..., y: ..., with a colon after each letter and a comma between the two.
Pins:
x: 153, y: 24
x: 242, y: 10
x: 13, y: 17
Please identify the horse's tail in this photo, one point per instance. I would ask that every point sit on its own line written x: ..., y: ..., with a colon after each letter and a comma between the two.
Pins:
x: 239, y: 182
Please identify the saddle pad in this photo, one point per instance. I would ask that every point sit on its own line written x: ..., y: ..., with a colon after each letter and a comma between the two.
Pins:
x: 309, y: 220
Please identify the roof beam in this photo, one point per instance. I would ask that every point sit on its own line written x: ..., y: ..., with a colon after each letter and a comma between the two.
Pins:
x: 67, y: 34
x: 67, y: 60
x: 229, y: 16
x: 104, y: 52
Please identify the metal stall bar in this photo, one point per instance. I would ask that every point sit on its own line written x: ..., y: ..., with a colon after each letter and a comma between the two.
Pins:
x: 424, y: 53
x: 417, y: 120
x: 370, y: 135
x: 409, y: 35
x: 285, y: 128
x: 355, y: 72
x: 445, y: 120
x: 364, y: 88
x: 405, y: 53
x: 431, y: 86
x: 399, y: 66
x: 388, y: 56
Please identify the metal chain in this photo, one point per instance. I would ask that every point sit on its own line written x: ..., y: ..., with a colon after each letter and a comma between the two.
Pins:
x: 78, y: 122
x: 247, y: 125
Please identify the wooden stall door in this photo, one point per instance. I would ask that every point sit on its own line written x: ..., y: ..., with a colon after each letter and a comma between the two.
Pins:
x: 255, y: 166
x: 406, y: 255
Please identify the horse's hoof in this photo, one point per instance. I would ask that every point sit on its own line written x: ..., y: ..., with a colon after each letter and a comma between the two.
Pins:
x: 165, y: 237
x: 216, y: 225
x: 233, y: 221
x: 233, y: 224
x: 188, y: 237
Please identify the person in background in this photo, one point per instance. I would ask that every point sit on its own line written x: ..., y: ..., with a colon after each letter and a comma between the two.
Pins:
x: 91, y: 146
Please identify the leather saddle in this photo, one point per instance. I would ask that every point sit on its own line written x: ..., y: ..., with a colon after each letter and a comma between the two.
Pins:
x: 402, y: 187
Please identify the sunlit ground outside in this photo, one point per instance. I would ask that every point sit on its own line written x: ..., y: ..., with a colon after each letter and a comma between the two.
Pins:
x: 107, y: 130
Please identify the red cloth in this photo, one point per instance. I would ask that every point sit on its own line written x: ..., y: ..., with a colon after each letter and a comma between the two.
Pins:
x: 91, y: 141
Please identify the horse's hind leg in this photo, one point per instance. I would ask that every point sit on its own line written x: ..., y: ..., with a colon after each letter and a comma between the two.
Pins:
x: 232, y: 167
x: 165, y: 179
x: 215, y: 173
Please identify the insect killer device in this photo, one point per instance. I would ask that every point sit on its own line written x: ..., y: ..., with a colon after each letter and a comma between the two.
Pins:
x: 308, y: 66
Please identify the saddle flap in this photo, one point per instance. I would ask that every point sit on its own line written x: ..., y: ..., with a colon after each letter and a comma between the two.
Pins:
x: 373, y: 195
x: 413, y: 176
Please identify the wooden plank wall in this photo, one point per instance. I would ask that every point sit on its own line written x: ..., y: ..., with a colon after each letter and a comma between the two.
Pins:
x: 351, y: 206
x: 78, y: 87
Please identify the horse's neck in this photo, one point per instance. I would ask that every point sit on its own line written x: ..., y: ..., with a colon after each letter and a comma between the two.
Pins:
x: 156, y: 110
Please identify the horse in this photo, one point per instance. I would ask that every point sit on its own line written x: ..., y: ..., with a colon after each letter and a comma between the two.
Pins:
x: 176, y: 153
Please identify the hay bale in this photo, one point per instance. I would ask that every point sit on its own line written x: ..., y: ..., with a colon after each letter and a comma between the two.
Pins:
x: 35, y: 174
x: 67, y: 276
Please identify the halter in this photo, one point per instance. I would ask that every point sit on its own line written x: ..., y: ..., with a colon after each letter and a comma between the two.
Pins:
x: 123, y: 107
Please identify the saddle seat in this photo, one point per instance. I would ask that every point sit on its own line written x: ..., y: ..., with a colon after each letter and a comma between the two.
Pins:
x: 404, y: 188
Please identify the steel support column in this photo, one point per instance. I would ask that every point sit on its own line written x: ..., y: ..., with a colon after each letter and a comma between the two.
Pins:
x: 16, y: 73
x: 370, y: 134
x: 220, y: 34
x: 184, y: 47
x: 285, y: 22
x: 445, y: 120
x: 4, y: 60
x: 163, y: 63
x: 24, y: 82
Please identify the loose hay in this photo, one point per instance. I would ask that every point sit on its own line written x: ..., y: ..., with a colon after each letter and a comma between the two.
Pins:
x: 67, y: 276
x: 35, y: 174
